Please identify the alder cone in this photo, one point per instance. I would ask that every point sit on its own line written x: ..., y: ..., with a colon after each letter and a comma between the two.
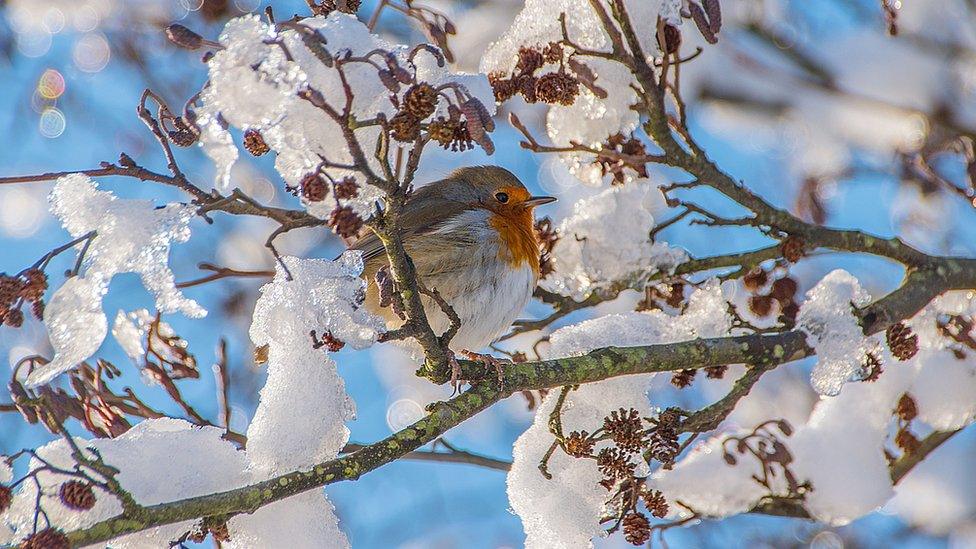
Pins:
x: 77, y: 495
x: 637, y: 529
x: 49, y: 538
x: 902, y: 341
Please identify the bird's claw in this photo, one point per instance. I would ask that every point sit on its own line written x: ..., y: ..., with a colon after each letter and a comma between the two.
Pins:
x: 452, y: 361
x: 488, y: 360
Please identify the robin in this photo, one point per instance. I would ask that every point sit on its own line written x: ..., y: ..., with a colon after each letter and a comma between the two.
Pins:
x: 471, y: 238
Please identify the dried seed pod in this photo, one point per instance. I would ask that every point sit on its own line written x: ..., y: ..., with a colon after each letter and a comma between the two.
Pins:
x: 345, y: 222
x: 420, y: 101
x: 6, y: 498
x: 557, y: 88
x: 578, y: 444
x: 760, y: 305
x: 637, y: 529
x: 908, y: 442
x: 789, y: 312
x: 906, y: 410
x: 755, y: 279
x: 14, y: 318
x: 683, y: 378
x: 783, y: 289
x: 663, y: 445
x: 442, y: 131
x: 902, y: 341
x: 48, y: 538
x: 793, y: 248
x: 614, y: 463
x: 529, y: 60
x: 314, y: 188
x: 553, y: 52
x: 716, y: 372
x: 346, y: 189
x: 404, y: 127
x: 872, y: 367
x: 503, y: 88
x: 254, y: 143
x: 77, y: 495
x: 625, y: 429
x: 526, y: 87
x: 655, y: 502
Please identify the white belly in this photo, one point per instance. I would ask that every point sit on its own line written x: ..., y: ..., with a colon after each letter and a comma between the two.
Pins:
x: 487, y: 301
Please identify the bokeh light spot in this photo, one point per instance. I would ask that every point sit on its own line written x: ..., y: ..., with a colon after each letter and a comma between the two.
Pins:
x: 91, y: 52
x: 402, y: 413
x: 52, y: 123
x: 51, y: 84
x: 34, y: 43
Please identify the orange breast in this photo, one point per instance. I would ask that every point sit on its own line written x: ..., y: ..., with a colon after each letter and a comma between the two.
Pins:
x: 518, y: 239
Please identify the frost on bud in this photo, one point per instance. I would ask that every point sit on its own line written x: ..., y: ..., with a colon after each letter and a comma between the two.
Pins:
x: 184, y: 135
x: 670, y: 39
x: 705, y: 26
x: 479, y: 124
x: 183, y: 37
x: 902, y: 341
x: 254, y: 143
x: 49, y: 538
x: 77, y: 495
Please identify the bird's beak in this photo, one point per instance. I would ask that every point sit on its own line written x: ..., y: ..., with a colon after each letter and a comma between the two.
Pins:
x: 539, y: 200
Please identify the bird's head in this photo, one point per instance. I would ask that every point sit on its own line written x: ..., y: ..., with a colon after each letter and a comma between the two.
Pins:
x: 495, y: 189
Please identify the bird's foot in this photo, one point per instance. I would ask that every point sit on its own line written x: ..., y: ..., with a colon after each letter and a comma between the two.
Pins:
x: 497, y: 363
x: 452, y: 361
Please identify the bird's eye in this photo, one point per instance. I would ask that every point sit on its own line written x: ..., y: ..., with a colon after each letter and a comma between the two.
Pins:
x: 501, y: 197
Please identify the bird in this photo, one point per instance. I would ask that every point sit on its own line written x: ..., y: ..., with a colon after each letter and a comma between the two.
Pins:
x: 471, y: 237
